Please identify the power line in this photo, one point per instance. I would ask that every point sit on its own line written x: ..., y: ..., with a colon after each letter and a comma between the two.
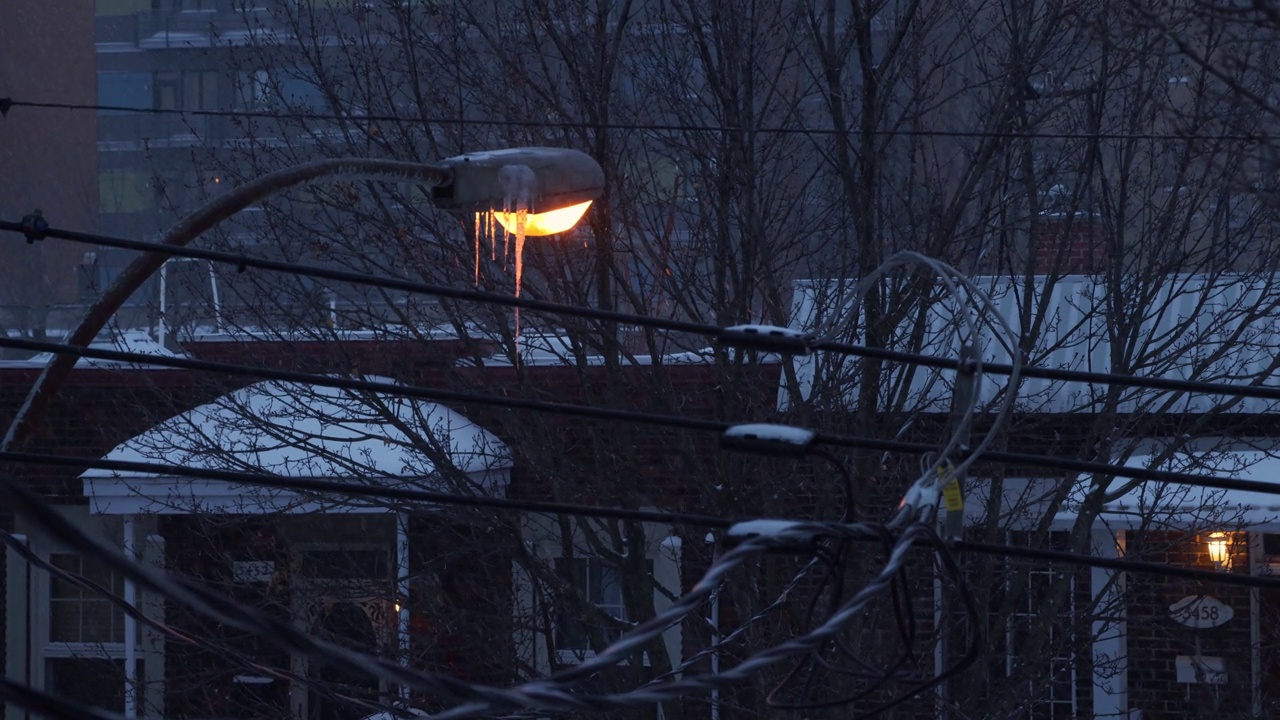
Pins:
x: 630, y: 416
x: 223, y: 652
x: 795, y: 342
x: 638, y: 127
x: 553, y: 693
x: 242, y: 261
x: 574, y: 509
x: 472, y: 699
x: 1121, y: 564
x: 344, y: 383
x: 1042, y: 373
x: 371, y: 490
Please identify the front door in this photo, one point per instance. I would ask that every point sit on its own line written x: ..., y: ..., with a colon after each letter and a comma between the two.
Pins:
x: 342, y: 595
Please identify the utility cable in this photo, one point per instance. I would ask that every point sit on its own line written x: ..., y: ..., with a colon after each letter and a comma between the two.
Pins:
x: 221, y: 651
x: 631, y: 416
x: 796, y: 343
x: 471, y: 699
x: 508, y: 505
x: 1119, y: 564
x: 1146, y: 382
x: 6, y: 103
x: 370, y: 490
x: 242, y: 261
x: 553, y: 692
x: 558, y: 692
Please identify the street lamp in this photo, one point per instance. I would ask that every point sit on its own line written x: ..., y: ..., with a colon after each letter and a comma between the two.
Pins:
x: 553, y: 185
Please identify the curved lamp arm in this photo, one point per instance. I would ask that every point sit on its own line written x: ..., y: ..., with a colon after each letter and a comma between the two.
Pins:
x: 549, y: 180
x: 191, y: 227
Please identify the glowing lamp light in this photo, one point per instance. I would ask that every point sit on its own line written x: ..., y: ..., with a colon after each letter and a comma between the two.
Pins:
x: 545, y: 223
x: 1219, y: 546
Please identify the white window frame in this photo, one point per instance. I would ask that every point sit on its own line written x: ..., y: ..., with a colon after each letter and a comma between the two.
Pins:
x: 570, y: 656
x: 29, y: 618
x: 1036, y: 709
x: 542, y: 537
x: 110, y: 650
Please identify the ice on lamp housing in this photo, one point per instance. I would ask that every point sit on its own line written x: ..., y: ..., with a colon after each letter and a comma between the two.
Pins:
x: 560, y: 187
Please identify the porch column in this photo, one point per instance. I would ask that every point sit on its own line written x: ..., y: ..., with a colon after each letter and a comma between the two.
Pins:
x: 402, y: 593
x: 1110, y: 668
x: 1256, y: 563
x: 18, y: 617
x: 130, y: 625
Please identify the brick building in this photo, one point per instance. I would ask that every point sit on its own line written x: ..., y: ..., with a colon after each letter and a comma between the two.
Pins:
x: 1065, y: 642
x: 423, y: 583
x: 1122, y: 645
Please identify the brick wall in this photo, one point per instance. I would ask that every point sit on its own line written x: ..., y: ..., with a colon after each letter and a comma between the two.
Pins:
x: 97, y: 409
x: 1155, y: 639
x: 6, y: 524
x: 1069, y: 246
x: 587, y: 460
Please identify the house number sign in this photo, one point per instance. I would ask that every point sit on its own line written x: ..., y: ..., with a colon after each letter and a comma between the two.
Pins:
x: 1201, y: 611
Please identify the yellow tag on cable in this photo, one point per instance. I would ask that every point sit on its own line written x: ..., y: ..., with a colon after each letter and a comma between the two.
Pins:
x: 952, y: 497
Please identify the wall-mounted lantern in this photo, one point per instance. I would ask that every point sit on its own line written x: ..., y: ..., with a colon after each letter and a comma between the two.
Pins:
x: 1218, y: 544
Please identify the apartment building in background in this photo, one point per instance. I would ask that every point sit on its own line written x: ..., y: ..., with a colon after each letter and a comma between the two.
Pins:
x: 48, y: 155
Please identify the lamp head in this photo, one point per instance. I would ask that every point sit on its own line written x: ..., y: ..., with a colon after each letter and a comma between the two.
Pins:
x: 1218, y: 545
x: 558, y: 184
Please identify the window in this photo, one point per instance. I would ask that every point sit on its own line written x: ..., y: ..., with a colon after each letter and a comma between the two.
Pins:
x: 82, y: 615
x: 200, y: 90
x: 69, y: 640
x: 193, y: 90
x: 122, y: 7
x: 264, y: 89
x: 345, y: 564
x: 253, y: 90
x: 1271, y: 553
x: 125, y: 191
x: 124, y: 89
x: 600, y: 583
x: 94, y: 682
x: 84, y: 656
x: 1050, y: 674
x: 318, y: 4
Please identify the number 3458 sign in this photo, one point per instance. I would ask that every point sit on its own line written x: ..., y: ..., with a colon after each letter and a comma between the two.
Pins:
x: 1201, y: 611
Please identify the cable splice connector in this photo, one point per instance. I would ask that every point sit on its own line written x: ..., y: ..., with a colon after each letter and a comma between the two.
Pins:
x: 773, y: 338
x: 34, y: 226
x: 788, y: 534
x: 769, y: 439
x: 920, y: 499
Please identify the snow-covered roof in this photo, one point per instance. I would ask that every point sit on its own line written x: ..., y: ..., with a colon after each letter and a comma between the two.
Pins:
x: 300, y: 431
x: 1168, y: 505
x: 1222, y: 328
x: 319, y: 334
x: 132, y: 341
x: 551, y: 349
x: 1158, y: 505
